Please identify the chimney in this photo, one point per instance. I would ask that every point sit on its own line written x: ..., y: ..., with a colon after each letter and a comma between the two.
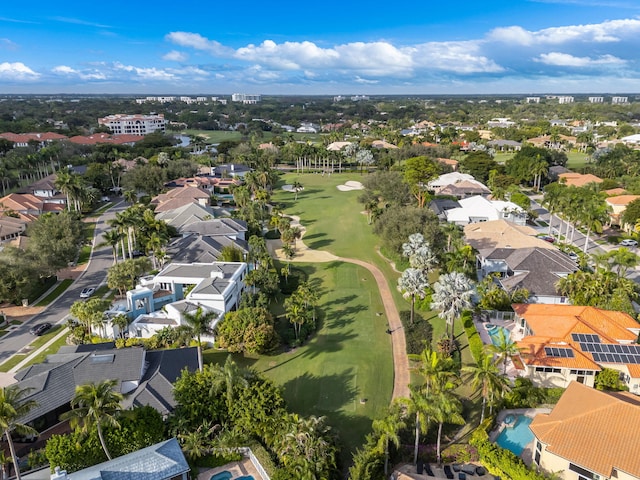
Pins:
x: 59, y: 474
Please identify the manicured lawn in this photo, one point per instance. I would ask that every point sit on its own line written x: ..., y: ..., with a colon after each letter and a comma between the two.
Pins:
x: 60, y: 288
x: 349, y: 359
x: 53, y: 348
x: 85, y: 251
x: 577, y: 160
x: 12, y: 362
x: 217, y: 136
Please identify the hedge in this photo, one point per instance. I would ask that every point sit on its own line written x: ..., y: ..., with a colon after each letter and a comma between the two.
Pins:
x: 475, y: 342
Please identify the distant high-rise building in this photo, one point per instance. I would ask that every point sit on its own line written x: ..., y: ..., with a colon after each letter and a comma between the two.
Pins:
x: 533, y: 99
x: 133, y: 124
x: 565, y: 99
x: 246, y: 98
x: 596, y: 99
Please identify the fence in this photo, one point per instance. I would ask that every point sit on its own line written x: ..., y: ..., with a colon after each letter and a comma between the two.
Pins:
x: 489, y: 315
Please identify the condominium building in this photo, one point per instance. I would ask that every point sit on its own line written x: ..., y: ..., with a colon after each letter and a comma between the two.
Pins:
x: 596, y: 99
x: 565, y: 99
x: 134, y: 124
x: 533, y: 99
x: 619, y: 100
x: 247, y: 99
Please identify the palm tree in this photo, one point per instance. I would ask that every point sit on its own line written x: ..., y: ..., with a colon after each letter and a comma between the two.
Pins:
x: 95, y: 405
x: 451, y: 296
x: 417, y: 404
x: 14, y: 405
x: 230, y: 376
x: 200, y: 324
x: 486, y: 377
x: 444, y: 407
x: 112, y: 238
x: 387, y: 430
x: 296, y: 187
x: 412, y: 283
x: 122, y: 322
x: 504, y: 348
x: 438, y: 371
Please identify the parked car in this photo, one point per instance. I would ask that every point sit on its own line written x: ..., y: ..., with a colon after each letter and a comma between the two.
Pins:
x: 627, y: 242
x: 573, y: 256
x: 40, y: 329
x: 87, y: 292
x: 547, y: 238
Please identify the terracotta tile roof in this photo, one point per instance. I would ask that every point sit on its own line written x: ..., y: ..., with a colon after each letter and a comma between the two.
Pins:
x: 622, y: 199
x: 615, y: 191
x: 105, y: 138
x: 593, y: 429
x: 554, y: 324
x: 578, y: 179
x: 20, y: 201
x: 532, y: 352
x: 502, y: 234
x: 26, y: 137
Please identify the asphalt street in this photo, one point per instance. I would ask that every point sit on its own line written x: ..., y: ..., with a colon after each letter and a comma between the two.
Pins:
x: 93, y: 276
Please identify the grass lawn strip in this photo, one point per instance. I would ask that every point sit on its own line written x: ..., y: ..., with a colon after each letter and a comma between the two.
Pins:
x: 12, y: 362
x: 59, y: 290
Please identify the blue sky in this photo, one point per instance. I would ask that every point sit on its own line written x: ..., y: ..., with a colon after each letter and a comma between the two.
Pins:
x: 330, y: 47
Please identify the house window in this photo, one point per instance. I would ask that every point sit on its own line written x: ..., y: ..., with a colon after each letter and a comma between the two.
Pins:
x: 536, y: 458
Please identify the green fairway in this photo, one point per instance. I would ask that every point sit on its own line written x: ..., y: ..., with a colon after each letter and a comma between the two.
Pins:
x: 345, y: 372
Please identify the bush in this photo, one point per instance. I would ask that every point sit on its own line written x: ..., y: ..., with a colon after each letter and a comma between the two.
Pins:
x: 293, y: 281
x: 419, y: 335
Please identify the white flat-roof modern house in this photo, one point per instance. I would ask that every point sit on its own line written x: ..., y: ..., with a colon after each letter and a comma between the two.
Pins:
x: 160, y: 300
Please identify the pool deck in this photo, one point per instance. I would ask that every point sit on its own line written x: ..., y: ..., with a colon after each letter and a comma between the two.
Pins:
x: 409, y: 472
x: 514, y: 333
x: 237, y: 469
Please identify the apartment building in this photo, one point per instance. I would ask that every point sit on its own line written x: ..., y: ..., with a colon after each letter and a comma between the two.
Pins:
x: 134, y: 124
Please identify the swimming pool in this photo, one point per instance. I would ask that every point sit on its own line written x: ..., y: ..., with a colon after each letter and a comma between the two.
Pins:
x: 227, y: 475
x: 516, y: 438
x: 494, y: 333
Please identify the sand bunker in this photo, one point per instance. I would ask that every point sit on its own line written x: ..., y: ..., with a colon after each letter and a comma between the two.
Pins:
x: 289, y: 188
x: 350, y: 185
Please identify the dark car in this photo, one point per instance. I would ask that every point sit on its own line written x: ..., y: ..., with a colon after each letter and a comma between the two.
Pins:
x: 39, y: 329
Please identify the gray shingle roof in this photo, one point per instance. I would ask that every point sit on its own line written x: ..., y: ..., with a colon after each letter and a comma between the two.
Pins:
x: 218, y: 226
x: 202, y: 249
x: 161, y: 461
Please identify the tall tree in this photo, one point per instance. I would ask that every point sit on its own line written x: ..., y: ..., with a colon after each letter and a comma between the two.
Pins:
x: 95, y: 405
x: 387, y: 429
x: 413, y: 283
x: 452, y: 295
x: 200, y: 324
x: 14, y: 405
x: 486, y: 378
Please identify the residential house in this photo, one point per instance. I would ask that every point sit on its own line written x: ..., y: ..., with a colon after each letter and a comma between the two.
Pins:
x: 479, y: 209
x: 11, y: 228
x: 160, y: 300
x: 230, y: 170
x: 144, y: 377
x: 535, y: 269
x: 203, y: 241
x: 546, y: 141
x: 383, y: 144
x: 631, y: 140
x: 99, y: 138
x: 162, y: 461
x: 578, y: 179
x: 26, y: 206
x: 448, y: 162
x: 187, y: 214
x: 505, y: 145
x: 440, y: 206
x: 589, y: 434
x: 458, y: 185
x: 179, y: 197
x: 487, y: 236
x: 23, y: 139
x: 337, y: 146
x: 618, y: 204
x: 564, y: 343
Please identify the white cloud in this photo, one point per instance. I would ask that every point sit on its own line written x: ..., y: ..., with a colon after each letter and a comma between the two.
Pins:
x: 7, y: 44
x: 84, y: 75
x: 17, y: 71
x: 364, y: 81
x: 605, y: 32
x: 175, y: 56
x: 198, y: 42
x: 566, y: 60
x: 459, y: 57
x: 64, y: 70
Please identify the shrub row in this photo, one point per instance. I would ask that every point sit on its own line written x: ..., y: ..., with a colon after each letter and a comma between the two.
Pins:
x: 475, y: 342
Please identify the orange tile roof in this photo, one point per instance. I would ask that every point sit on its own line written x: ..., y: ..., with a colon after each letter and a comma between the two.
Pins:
x: 554, y: 324
x: 593, y: 429
x: 578, y: 179
x: 615, y: 191
x: 622, y: 199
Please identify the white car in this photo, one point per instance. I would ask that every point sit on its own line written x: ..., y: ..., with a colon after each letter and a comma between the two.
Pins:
x: 87, y: 292
x: 627, y: 242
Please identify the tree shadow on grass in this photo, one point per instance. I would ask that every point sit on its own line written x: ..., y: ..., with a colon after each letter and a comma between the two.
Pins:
x: 342, y: 317
x: 324, y: 344
x: 317, y: 244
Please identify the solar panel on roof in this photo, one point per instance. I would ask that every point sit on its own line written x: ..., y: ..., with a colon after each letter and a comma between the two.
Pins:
x: 558, y: 352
